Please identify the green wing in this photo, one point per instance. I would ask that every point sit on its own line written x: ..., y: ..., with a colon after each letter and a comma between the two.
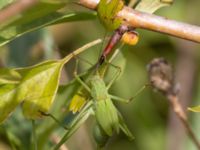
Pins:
x: 107, y: 116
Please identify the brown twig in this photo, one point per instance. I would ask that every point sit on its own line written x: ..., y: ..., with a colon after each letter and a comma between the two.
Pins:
x: 16, y: 8
x: 152, y: 22
x: 185, y: 73
x: 161, y: 77
x: 174, y: 101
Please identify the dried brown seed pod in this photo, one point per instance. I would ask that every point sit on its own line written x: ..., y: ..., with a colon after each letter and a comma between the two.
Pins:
x: 160, y: 75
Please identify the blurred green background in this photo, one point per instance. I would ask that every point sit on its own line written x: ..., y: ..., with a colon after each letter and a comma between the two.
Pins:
x: 149, y: 117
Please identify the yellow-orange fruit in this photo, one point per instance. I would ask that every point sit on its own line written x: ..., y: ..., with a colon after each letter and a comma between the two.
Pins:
x: 130, y: 38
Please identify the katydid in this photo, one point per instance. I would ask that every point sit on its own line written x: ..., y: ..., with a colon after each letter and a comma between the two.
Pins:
x: 95, y: 92
x: 107, y: 116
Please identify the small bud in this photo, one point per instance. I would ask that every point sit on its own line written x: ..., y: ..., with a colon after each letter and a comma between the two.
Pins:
x: 130, y: 38
x: 160, y: 75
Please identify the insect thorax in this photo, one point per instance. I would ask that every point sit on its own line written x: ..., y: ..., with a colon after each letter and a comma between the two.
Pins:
x: 98, y: 88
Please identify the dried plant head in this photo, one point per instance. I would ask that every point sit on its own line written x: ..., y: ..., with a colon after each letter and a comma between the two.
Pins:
x: 160, y: 75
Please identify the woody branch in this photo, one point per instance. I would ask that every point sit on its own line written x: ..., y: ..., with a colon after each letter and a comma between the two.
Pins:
x: 152, y: 22
x: 16, y: 8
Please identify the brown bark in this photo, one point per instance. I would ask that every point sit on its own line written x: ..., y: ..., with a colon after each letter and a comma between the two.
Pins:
x: 152, y: 22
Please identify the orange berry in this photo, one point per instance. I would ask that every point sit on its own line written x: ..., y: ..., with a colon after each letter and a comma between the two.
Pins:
x: 130, y: 38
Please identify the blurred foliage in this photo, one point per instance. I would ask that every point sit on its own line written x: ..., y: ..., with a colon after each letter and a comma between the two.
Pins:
x: 146, y: 116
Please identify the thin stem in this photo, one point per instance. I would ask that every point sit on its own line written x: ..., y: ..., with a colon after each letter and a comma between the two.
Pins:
x: 55, y: 119
x: 152, y: 22
x: 55, y: 139
x: 8, y: 135
x: 80, y: 50
x: 34, y: 135
x: 174, y: 101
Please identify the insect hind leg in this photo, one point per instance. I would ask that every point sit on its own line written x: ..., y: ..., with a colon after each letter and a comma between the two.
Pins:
x: 55, y: 119
x: 79, y: 79
x: 130, y: 99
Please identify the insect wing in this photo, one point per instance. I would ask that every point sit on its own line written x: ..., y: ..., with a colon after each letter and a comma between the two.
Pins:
x: 107, y: 117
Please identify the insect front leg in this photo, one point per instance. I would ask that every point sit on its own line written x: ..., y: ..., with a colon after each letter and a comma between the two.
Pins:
x: 80, y: 80
x: 116, y: 75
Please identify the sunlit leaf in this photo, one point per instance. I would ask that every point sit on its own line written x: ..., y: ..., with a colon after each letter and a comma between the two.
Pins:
x: 41, y: 15
x: 107, y: 11
x: 9, y: 76
x: 40, y: 82
x: 8, y: 101
x: 4, y: 3
x: 38, y: 88
x: 150, y: 6
x: 194, y: 109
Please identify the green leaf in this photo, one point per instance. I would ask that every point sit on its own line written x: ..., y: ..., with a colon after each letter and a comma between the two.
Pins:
x: 194, y: 109
x: 40, y: 82
x: 8, y: 76
x: 4, y: 3
x: 74, y: 16
x: 8, y: 101
x: 41, y: 15
x: 107, y: 11
x: 150, y: 6
x: 38, y: 88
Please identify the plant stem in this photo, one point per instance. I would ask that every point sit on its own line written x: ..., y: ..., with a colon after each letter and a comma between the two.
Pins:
x: 152, y: 22
x: 79, y: 50
x: 174, y: 101
x: 34, y: 135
